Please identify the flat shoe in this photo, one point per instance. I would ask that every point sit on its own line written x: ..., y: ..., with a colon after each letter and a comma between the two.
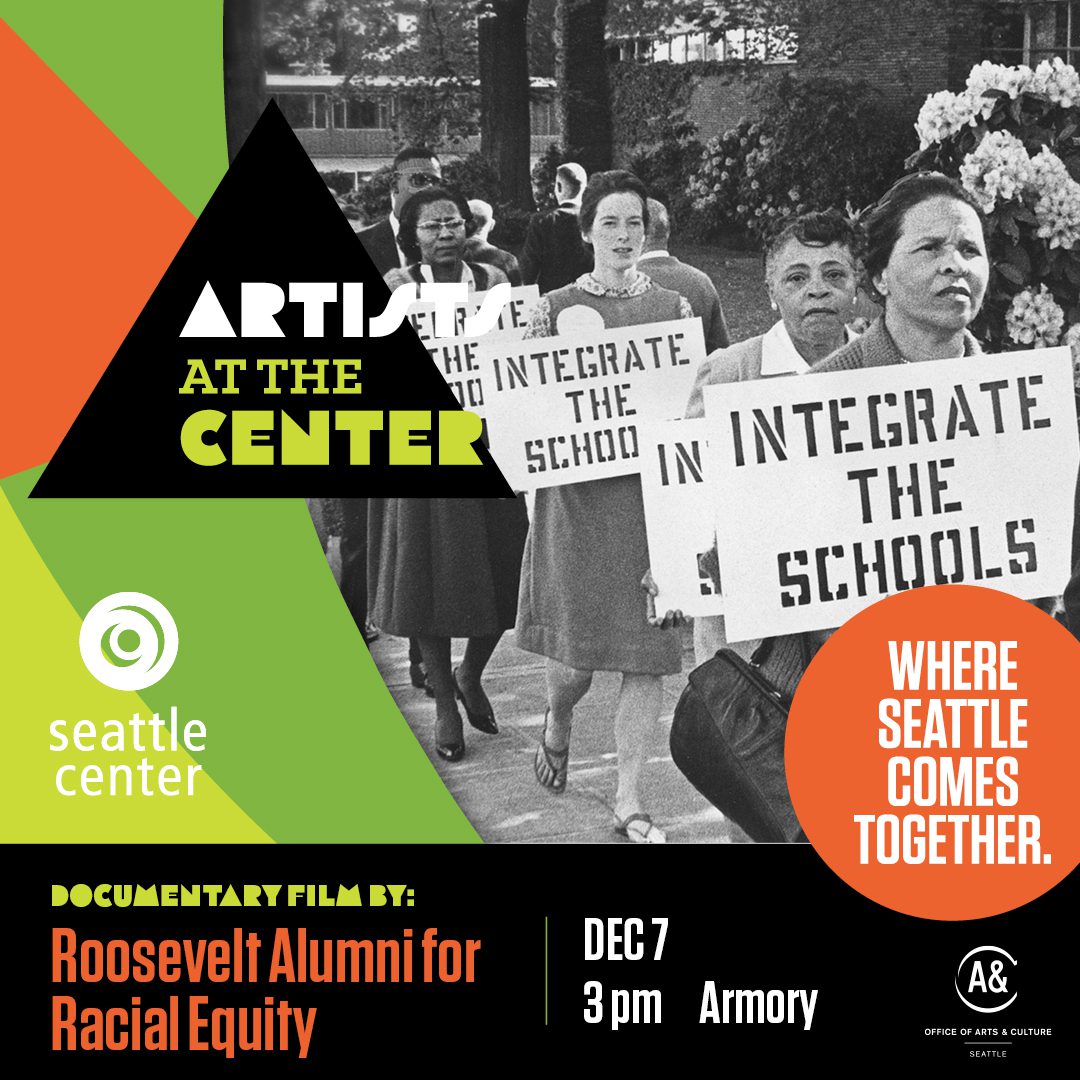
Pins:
x: 639, y: 829
x: 484, y: 722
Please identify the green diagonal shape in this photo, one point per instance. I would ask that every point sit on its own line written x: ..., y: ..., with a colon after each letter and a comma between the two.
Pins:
x: 301, y: 732
x: 150, y: 70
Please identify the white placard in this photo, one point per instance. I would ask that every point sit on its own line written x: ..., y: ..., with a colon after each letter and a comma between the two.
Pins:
x: 457, y: 358
x: 851, y: 486
x: 680, y: 515
x: 565, y: 409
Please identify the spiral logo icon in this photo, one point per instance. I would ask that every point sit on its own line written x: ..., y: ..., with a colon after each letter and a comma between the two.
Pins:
x: 128, y: 641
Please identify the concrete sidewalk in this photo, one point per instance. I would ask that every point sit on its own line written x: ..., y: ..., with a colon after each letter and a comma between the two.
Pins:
x: 494, y: 783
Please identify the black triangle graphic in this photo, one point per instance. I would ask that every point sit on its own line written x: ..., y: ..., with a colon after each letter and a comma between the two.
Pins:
x: 271, y: 219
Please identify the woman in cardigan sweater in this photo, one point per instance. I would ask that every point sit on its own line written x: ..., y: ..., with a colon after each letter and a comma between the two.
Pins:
x: 925, y: 260
x: 811, y: 277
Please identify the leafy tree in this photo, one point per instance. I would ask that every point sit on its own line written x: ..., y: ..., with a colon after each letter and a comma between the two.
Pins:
x: 435, y: 60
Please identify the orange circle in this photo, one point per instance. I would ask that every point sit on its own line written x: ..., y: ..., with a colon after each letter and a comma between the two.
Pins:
x: 868, y: 779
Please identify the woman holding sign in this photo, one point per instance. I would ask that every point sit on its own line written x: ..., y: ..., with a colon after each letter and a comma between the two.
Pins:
x: 445, y: 568
x: 812, y: 279
x: 582, y: 604
x: 925, y: 261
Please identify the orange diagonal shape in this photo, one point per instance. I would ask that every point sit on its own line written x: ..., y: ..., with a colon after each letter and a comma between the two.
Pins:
x: 87, y: 231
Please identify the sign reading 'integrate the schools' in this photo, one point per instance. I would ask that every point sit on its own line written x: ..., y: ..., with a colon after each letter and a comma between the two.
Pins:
x: 458, y: 357
x: 842, y: 488
x: 565, y: 409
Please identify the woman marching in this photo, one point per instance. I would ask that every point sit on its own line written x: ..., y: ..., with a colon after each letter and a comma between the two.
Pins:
x: 446, y: 568
x: 582, y: 602
x: 925, y: 261
x: 812, y: 279
x: 435, y: 223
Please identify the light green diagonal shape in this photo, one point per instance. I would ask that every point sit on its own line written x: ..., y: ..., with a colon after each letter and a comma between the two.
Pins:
x: 43, y: 681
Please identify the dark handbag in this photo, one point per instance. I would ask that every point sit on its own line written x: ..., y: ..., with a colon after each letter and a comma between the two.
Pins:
x: 727, y: 739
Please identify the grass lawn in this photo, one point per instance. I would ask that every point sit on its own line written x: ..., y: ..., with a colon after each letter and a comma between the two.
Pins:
x: 740, y: 281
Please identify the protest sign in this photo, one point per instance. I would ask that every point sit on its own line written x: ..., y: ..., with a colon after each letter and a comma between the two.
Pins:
x: 565, y: 409
x: 680, y: 516
x: 855, y: 485
x: 456, y: 357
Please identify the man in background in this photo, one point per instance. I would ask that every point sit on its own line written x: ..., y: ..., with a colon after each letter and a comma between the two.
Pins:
x: 415, y: 168
x: 478, y: 249
x: 554, y: 254
x: 688, y: 281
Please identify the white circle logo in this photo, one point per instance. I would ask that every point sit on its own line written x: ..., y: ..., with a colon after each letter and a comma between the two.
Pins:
x: 984, y: 980
x: 128, y: 641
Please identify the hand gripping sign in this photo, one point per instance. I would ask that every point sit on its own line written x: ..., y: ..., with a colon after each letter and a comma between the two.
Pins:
x: 681, y: 502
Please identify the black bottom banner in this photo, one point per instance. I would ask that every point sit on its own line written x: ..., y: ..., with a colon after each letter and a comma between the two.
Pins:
x: 300, y: 957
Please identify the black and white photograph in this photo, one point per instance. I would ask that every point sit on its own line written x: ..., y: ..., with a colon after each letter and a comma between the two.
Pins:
x: 694, y: 205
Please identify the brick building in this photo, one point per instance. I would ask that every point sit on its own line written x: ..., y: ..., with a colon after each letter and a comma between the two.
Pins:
x: 905, y: 48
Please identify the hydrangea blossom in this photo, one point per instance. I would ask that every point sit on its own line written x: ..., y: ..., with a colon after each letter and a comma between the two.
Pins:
x: 943, y: 114
x: 998, y: 168
x: 1035, y: 318
x: 1059, y: 81
x: 987, y: 76
x: 1057, y: 207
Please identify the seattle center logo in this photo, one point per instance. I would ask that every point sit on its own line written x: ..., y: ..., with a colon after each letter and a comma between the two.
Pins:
x: 128, y: 641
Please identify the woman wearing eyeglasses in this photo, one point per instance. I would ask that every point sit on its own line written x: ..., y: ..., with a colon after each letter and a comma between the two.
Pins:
x: 432, y: 231
x: 446, y: 568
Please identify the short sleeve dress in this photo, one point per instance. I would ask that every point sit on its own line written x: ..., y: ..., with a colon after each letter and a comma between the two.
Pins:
x: 581, y: 599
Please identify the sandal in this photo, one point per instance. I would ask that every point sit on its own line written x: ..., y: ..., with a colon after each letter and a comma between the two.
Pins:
x: 640, y: 829
x: 550, y: 765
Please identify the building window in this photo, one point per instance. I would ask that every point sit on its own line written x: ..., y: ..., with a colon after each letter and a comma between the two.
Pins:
x: 1031, y: 32
x: 1054, y: 31
x: 296, y: 108
x: 771, y: 45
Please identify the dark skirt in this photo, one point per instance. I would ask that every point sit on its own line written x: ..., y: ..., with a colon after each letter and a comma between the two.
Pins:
x: 445, y: 567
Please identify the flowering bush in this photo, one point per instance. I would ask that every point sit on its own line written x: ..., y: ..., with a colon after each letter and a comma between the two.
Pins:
x: 1034, y: 318
x: 820, y: 143
x: 1011, y: 138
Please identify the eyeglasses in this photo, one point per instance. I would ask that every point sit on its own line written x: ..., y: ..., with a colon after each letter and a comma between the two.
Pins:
x: 421, y: 179
x: 433, y: 228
